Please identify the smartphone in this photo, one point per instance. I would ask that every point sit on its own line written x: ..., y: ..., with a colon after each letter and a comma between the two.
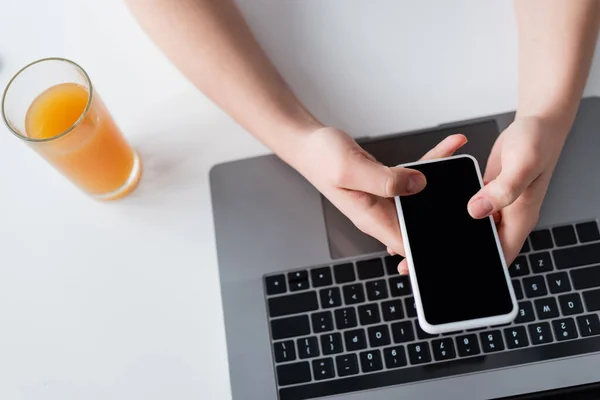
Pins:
x: 456, y: 264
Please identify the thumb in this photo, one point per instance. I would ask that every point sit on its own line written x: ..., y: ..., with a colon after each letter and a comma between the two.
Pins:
x: 501, y: 191
x: 367, y: 175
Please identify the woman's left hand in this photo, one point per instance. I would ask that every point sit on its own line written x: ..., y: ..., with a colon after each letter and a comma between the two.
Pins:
x: 516, y: 179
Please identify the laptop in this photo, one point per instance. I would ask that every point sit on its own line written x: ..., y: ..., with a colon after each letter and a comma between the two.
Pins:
x: 315, y: 309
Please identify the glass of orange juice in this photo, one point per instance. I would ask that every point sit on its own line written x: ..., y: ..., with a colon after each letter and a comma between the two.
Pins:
x: 52, y: 106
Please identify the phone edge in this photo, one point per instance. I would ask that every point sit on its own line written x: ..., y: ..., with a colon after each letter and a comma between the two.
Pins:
x: 464, y: 325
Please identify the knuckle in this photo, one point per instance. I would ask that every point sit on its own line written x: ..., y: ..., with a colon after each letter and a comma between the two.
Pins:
x: 391, y: 183
x: 507, y: 192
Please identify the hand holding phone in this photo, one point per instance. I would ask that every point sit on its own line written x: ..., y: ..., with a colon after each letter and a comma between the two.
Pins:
x: 457, y: 268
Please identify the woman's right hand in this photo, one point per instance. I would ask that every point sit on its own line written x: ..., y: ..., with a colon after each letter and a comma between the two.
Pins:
x: 358, y: 185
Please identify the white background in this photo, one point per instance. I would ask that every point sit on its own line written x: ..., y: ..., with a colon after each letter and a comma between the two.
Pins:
x: 121, y: 300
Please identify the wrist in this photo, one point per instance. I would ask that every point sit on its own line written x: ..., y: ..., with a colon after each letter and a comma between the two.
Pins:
x: 559, y: 121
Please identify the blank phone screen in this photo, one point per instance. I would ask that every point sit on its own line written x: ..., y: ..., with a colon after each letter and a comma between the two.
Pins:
x: 456, y: 258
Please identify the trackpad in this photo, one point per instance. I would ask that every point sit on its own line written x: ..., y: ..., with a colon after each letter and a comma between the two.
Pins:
x: 345, y: 240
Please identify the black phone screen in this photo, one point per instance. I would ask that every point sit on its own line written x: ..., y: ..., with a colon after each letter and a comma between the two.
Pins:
x: 456, y: 259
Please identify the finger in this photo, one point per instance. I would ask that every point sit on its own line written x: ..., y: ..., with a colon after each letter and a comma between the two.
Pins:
x: 403, y: 267
x: 503, y: 190
x: 391, y: 252
x: 513, y: 230
x: 371, y: 214
x: 493, y: 166
x: 446, y: 147
x: 364, y: 174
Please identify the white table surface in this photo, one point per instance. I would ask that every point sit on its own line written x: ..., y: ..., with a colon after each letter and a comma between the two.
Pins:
x: 121, y: 300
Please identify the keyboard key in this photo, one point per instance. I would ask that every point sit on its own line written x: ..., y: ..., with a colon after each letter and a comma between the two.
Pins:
x: 347, y: 364
x: 535, y: 286
x: 284, y: 328
x: 540, y: 333
x: 589, y: 325
x: 564, y: 235
x: 355, y: 340
x: 291, y: 374
x: 308, y: 347
x: 298, y: 280
x: 330, y: 297
x: 467, y: 345
x: 377, y: 290
x: 418, y: 353
x: 369, y: 269
x: 391, y: 264
x: 392, y: 310
x: 378, y: 335
x: 586, y: 278
x: 321, y: 277
x: 323, y: 369
x: 344, y: 273
x: 345, y: 318
x: 525, y: 313
x: 284, y: 351
x: 369, y: 314
x: 518, y: 289
x: 570, y: 304
x: 403, y: 332
x: 546, y: 308
x: 592, y: 299
x: 564, y: 329
x: 588, y: 231
x: 400, y: 286
x: 421, y: 334
x: 491, y: 341
x: 293, y: 304
x: 275, y: 284
x: 525, y: 248
x: 371, y: 361
x: 443, y: 349
x: 322, y: 322
x: 516, y: 337
x: 353, y: 294
x: 540, y: 262
x: 395, y: 357
x: 558, y: 282
x: 519, y: 267
x: 331, y: 344
x: 411, y: 308
x: 541, y: 239
x: 577, y: 256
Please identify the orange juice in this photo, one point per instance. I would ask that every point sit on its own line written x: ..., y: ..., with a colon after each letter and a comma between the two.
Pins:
x: 77, y: 135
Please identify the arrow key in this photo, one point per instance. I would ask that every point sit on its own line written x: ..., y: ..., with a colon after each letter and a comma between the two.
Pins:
x: 323, y: 369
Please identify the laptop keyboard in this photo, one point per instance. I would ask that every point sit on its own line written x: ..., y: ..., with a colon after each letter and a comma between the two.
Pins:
x: 352, y: 326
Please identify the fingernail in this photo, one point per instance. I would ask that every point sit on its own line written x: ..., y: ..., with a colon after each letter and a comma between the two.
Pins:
x: 416, y: 183
x: 403, y: 271
x: 480, y: 208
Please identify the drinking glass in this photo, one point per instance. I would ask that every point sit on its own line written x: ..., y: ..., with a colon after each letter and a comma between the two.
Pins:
x: 52, y: 106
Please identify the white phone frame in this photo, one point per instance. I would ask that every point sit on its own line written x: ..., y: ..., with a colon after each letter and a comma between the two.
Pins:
x: 459, y: 325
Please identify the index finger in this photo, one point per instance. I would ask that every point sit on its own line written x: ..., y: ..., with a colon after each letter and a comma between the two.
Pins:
x: 446, y: 147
